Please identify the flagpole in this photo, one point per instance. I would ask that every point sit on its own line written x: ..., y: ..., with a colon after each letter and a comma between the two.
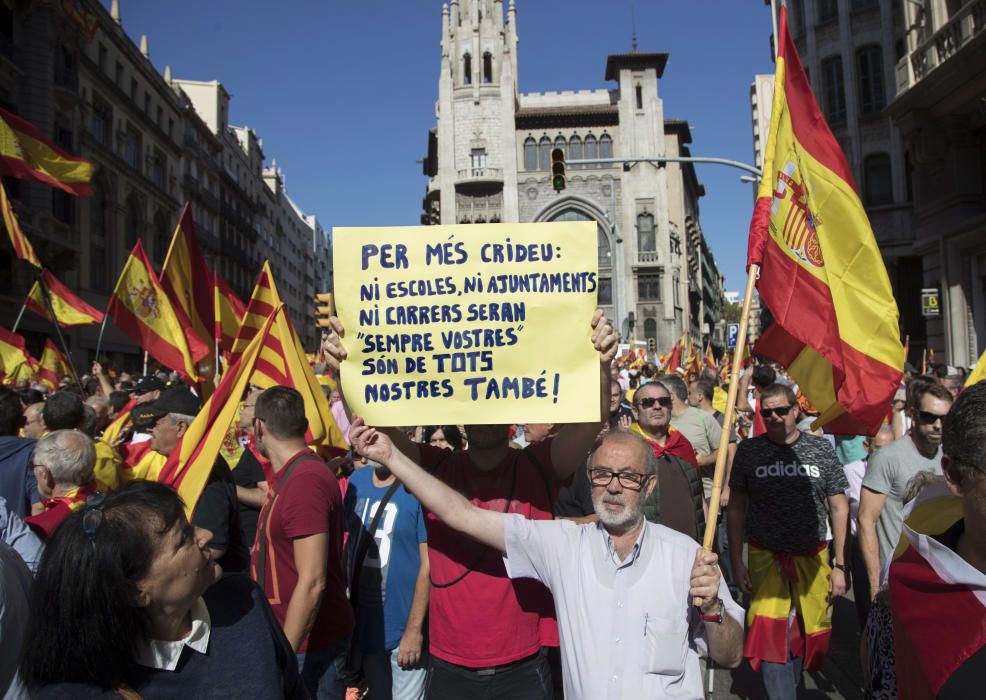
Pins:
x: 145, y: 363
x: 19, y: 317
x: 99, y: 340
x: 727, y: 423
x: 58, y: 331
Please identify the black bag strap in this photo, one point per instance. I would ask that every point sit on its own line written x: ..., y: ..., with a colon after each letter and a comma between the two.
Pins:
x: 261, y: 570
x: 364, y: 543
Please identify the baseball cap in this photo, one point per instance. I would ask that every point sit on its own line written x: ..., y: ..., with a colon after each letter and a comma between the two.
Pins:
x: 174, y: 400
x: 150, y: 382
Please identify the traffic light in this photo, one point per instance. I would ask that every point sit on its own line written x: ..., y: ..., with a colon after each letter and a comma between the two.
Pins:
x: 651, y: 345
x: 558, y: 169
x: 324, y: 307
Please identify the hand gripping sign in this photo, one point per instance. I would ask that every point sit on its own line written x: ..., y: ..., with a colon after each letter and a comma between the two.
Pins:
x: 469, y: 324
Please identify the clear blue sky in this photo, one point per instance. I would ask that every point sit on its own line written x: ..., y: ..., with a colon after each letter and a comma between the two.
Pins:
x: 343, y: 91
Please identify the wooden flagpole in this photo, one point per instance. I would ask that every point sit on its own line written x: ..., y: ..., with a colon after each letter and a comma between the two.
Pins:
x: 727, y: 423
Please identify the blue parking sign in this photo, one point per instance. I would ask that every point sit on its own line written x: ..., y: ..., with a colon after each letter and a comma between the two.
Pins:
x: 732, y: 333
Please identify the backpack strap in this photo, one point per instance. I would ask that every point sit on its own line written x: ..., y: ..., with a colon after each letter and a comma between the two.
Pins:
x: 261, y: 569
x: 364, y: 543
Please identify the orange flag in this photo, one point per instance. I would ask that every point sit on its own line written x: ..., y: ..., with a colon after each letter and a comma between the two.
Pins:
x: 53, y: 366
x: 25, y: 152
x: 22, y: 247
x: 142, y: 310
x: 70, y: 310
x: 821, y: 272
x: 187, y: 281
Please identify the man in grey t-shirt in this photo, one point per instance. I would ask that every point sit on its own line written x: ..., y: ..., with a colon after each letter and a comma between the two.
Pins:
x: 881, y: 500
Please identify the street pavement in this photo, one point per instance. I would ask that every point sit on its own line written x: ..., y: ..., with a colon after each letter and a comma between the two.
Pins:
x: 842, y: 676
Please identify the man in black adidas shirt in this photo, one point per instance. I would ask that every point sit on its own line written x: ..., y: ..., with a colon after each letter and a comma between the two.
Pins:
x: 780, y: 486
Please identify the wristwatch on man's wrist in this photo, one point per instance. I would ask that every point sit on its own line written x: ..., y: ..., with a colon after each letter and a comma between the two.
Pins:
x: 718, y: 616
x: 841, y: 567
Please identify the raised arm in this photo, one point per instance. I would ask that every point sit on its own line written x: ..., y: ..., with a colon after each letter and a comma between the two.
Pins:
x: 569, y: 448
x: 448, y: 504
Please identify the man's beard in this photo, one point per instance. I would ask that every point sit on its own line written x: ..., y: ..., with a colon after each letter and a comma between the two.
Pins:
x: 622, y: 521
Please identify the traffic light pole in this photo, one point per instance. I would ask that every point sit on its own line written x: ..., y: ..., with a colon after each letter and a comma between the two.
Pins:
x: 659, y: 161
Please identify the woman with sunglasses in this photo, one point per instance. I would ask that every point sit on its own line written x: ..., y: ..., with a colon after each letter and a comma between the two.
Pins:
x: 129, y: 602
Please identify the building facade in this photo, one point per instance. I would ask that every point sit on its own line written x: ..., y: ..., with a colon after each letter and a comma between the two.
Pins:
x: 849, y: 49
x: 940, y: 110
x: 488, y: 161
x: 156, y: 141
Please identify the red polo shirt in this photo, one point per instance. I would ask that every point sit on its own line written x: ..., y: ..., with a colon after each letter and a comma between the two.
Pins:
x: 308, y: 503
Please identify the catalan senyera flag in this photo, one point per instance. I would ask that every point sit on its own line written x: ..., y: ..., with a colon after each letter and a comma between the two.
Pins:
x: 14, y: 356
x: 674, y: 361
x: 931, y: 361
x: 18, y: 239
x: 53, y: 366
x: 26, y: 153
x: 230, y: 311
x: 262, y: 303
x: 70, y: 310
x: 187, y: 281
x: 143, y: 311
x: 939, y: 599
x: 821, y: 273
x: 710, y: 359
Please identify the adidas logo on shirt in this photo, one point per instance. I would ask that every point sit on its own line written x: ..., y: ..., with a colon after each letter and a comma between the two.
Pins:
x: 781, y: 469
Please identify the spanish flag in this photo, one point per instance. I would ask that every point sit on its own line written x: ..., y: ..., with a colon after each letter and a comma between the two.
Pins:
x: 939, y: 599
x: 978, y: 372
x: 230, y: 311
x: 710, y: 359
x: 18, y: 239
x: 28, y: 154
x: 261, y: 306
x: 15, y: 358
x: 70, y: 310
x: 54, y: 365
x: 142, y: 310
x: 821, y: 274
x: 674, y: 361
x: 186, y: 279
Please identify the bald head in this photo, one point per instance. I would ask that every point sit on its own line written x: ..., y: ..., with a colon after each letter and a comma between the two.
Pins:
x: 884, y: 436
x: 34, y: 426
x: 642, y: 454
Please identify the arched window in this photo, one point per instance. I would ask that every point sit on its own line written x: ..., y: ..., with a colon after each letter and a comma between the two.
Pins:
x: 487, y: 67
x: 591, y: 147
x: 544, y: 153
x: 877, y: 181
x: 574, y: 150
x: 467, y: 70
x: 605, y: 146
x: 605, y: 252
x: 650, y: 329
x: 560, y: 143
x: 646, y: 240
x: 530, y: 154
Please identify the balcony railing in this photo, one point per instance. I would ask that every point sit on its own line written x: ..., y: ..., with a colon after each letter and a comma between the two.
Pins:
x: 487, y: 174
x: 648, y: 257
x: 965, y: 25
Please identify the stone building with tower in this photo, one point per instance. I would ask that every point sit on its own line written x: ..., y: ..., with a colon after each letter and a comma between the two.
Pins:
x: 488, y: 161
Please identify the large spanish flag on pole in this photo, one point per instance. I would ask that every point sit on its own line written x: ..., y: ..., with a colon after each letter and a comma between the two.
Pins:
x: 821, y: 274
x: 142, y: 310
x: 22, y: 246
x: 70, y: 310
x: 26, y: 153
x: 186, y: 279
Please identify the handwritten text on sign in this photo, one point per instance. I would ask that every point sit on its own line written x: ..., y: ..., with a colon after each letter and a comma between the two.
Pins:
x: 469, y: 324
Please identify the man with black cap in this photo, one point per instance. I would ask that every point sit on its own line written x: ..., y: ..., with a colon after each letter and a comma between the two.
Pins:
x: 217, y: 509
x: 147, y: 390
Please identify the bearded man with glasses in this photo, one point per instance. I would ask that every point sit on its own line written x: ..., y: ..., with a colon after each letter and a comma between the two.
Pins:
x: 781, y: 483
x: 637, y: 603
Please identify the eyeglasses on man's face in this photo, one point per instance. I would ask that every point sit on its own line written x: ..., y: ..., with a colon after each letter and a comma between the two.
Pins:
x: 779, y: 411
x: 662, y: 401
x: 632, y: 481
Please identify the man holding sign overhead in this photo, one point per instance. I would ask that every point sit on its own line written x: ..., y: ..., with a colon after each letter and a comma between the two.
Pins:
x: 470, y: 353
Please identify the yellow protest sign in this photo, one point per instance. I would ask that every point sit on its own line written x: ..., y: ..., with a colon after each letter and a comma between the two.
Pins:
x: 485, y: 323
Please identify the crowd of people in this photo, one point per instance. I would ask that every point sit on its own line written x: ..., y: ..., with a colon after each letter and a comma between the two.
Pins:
x: 498, y: 561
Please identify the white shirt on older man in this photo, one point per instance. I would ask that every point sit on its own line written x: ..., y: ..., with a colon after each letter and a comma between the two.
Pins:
x: 628, y: 628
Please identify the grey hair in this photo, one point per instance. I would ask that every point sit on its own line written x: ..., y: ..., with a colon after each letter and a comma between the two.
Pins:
x: 98, y: 400
x: 68, y: 454
x: 675, y: 386
x: 183, y: 417
x: 650, y: 459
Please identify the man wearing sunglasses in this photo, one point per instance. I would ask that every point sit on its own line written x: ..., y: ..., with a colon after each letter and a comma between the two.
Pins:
x: 637, y: 603
x: 785, y: 485
x: 881, y: 500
